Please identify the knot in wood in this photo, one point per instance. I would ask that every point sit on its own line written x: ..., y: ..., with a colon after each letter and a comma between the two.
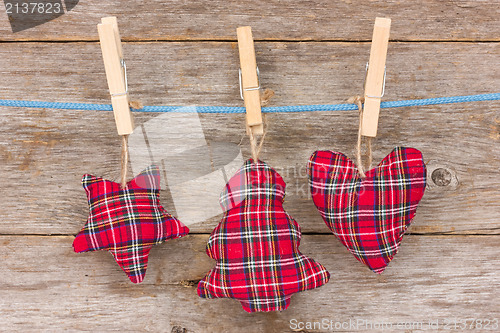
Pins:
x: 441, y: 177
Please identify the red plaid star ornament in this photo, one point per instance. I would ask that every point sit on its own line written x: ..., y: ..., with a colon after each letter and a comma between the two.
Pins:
x: 369, y: 216
x: 127, y: 222
x: 256, y: 245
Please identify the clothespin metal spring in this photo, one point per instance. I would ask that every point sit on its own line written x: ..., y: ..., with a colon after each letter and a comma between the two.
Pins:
x: 383, y: 84
x: 124, y: 66
x: 250, y: 88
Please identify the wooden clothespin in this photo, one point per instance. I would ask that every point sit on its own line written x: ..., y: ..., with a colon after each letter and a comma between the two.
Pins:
x: 375, y: 77
x: 116, y: 73
x: 249, y: 81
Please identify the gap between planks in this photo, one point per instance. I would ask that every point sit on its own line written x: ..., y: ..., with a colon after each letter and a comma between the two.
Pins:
x: 431, y: 234
x: 180, y: 40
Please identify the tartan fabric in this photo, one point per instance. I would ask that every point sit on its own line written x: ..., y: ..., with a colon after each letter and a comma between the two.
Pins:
x: 127, y: 222
x: 369, y: 216
x: 256, y: 245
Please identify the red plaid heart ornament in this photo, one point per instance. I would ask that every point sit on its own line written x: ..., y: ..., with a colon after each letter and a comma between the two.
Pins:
x: 369, y: 216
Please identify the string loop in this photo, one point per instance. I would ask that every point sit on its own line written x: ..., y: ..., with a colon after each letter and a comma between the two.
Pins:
x: 124, y: 161
x: 359, y: 100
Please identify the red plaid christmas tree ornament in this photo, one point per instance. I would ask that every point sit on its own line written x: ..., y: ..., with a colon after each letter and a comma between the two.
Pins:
x: 256, y: 245
x: 127, y: 221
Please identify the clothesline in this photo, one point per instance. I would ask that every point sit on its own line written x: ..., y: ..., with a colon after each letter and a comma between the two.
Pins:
x: 232, y: 109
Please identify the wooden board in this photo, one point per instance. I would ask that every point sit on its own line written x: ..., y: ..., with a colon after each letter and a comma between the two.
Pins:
x: 42, y: 149
x: 441, y: 278
x: 206, y: 73
x: 273, y: 20
x: 313, y: 52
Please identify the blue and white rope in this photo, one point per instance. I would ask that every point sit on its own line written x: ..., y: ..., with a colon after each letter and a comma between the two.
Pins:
x: 230, y: 109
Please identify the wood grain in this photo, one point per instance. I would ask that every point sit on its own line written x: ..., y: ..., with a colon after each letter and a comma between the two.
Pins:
x: 430, y: 20
x: 45, y: 284
x: 309, y: 52
x: 206, y: 73
x: 45, y: 152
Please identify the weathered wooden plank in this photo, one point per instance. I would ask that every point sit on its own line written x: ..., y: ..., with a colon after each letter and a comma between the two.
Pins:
x: 45, y: 152
x: 206, y: 73
x: 432, y: 278
x: 305, y: 20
